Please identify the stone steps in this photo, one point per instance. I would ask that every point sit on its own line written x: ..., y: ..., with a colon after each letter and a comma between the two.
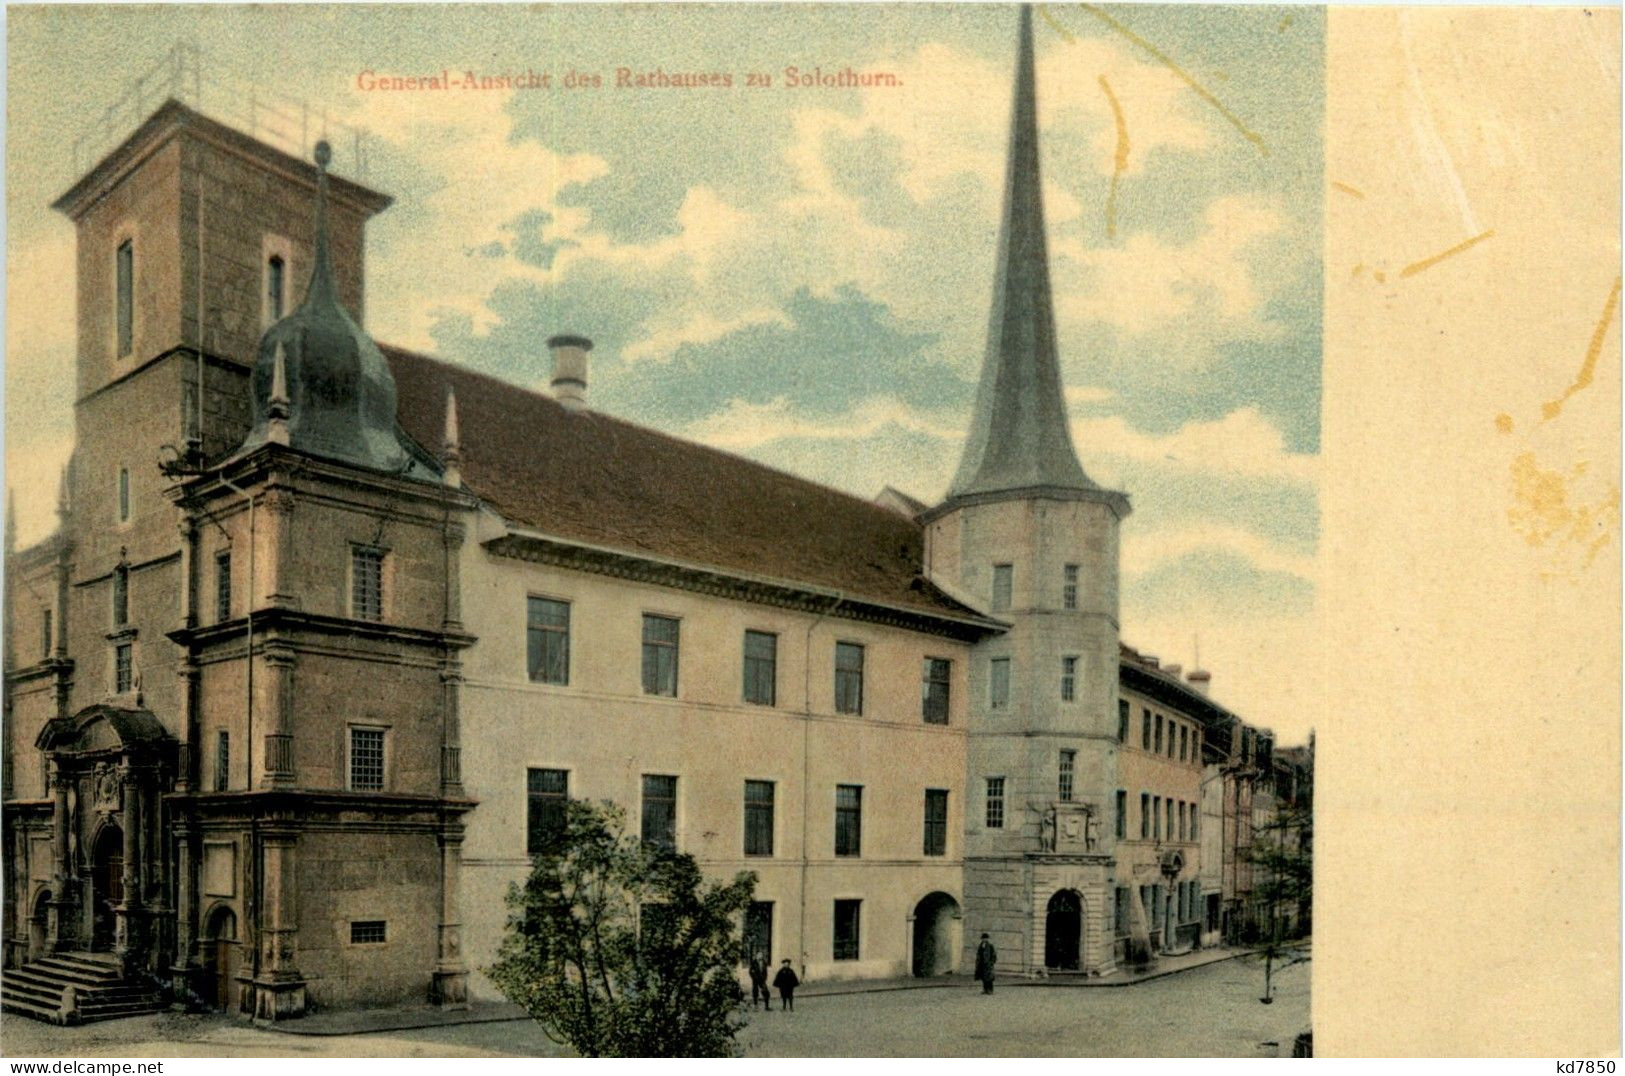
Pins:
x: 101, y: 992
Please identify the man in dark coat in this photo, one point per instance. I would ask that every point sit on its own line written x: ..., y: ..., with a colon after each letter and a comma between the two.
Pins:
x: 758, y: 980
x: 985, y: 959
x: 786, y: 982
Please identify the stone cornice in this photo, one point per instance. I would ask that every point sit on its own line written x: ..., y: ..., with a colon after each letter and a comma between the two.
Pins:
x: 273, y: 618
x: 1117, y: 502
x: 719, y: 583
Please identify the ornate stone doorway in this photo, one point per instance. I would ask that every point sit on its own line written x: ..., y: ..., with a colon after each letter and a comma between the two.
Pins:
x: 1063, y: 931
x: 220, y: 951
x: 936, y: 918
x: 106, y: 887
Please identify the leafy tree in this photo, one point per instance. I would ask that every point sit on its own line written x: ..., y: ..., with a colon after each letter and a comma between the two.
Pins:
x: 619, y: 949
x: 1283, y: 854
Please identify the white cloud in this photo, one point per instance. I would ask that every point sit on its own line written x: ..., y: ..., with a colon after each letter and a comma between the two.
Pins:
x: 1243, y: 443
x: 487, y: 181
x: 1144, y: 553
x: 664, y: 337
x: 1145, y: 285
x: 743, y: 426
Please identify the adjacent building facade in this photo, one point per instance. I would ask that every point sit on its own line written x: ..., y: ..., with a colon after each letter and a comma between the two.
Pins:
x: 287, y: 710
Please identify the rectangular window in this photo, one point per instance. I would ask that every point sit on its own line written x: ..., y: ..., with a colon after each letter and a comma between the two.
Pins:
x: 1145, y: 815
x: 1003, y: 583
x: 1069, y: 588
x: 1196, y: 743
x: 123, y: 676
x: 222, y: 586
x: 995, y: 803
x: 1122, y: 906
x: 547, y: 791
x: 126, y: 297
x: 1194, y: 813
x: 1170, y: 737
x: 758, y: 818
x: 1184, y: 741
x: 936, y: 822
x: 1168, y: 818
x: 659, y: 655
x: 366, y: 583
x: 761, y: 667
x: 123, y: 494
x: 759, y: 930
x: 1122, y: 721
x: 846, y: 929
x: 660, y: 811
x: 366, y: 759
x: 934, y: 691
x: 1145, y: 729
x: 1068, y: 767
x: 121, y: 596
x: 45, y: 633
x: 1156, y: 818
x: 367, y: 932
x: 998, y: 695
x: 1122, y: 813
x: 1069, y: 679
x: 1181, y: 819
x: 547, y: 640
x: 1156, y: 739
x: 848, y: 678
x: 222, y: 760
x: 274, y: 287
x: 848, y: 820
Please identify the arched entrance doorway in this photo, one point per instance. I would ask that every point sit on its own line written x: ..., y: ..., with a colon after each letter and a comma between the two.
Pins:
x: 106, y: 886
x: 935, y: 946
x: 220, y: 952
x: 1063, y: 931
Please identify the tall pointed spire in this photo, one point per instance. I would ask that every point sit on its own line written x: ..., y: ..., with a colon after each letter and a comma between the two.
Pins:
x: 1018, y: 435
x: 322, y: 288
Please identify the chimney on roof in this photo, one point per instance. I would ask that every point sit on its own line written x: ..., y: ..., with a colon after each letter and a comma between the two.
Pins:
x: 1173, y: 670
x: 570, y: 370
x: 1200, y: 679
x: 1151, y: 660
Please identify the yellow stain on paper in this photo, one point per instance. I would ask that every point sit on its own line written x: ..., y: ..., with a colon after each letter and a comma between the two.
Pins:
x: 1119, y: 161
x: 1552, y: 408
x: 1503, y: 422
x: 1541, y: 510
x: 1428, y: 263
x: 1168, y: 62
x: 1353, y: 192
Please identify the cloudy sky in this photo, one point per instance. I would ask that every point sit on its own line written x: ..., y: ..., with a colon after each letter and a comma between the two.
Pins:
x: 802, y: 275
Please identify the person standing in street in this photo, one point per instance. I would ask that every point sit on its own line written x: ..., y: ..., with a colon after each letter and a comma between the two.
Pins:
x: 758, y: 980
x: 986, y: 958
x: 786, y: 982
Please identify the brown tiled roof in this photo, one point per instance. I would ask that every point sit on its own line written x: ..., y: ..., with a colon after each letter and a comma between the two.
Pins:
x: 588, y: 477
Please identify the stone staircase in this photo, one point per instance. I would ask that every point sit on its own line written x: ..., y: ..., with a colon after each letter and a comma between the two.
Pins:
x: 73, y: 988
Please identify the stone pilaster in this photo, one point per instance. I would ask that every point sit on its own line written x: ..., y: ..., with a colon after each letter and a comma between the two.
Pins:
x: 279, y: 989
x: 450, y: 988
x: 60, y: 932
x: 279, y: 505
x: 279, y: 765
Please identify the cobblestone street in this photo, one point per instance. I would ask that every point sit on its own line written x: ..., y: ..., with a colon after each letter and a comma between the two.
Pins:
x: 1211, y: 1011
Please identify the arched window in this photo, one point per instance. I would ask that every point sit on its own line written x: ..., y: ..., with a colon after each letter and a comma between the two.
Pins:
x: 125, y: 273
x: 275, y: 273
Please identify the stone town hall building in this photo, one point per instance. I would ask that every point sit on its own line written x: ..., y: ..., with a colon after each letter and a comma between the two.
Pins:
x: 287, y: 709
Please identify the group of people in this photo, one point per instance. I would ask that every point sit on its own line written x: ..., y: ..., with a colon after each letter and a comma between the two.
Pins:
x: 786, y: 981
